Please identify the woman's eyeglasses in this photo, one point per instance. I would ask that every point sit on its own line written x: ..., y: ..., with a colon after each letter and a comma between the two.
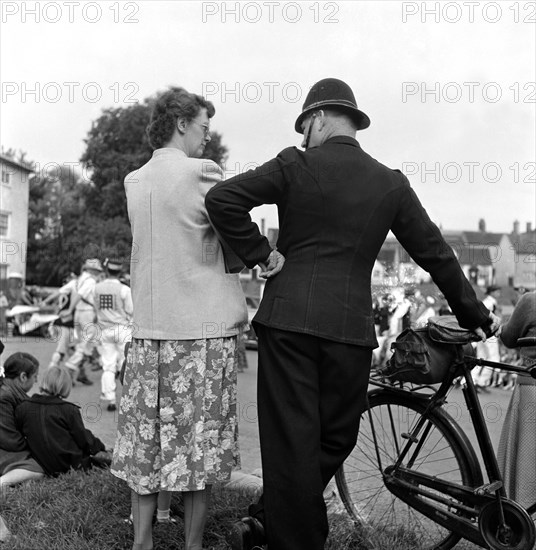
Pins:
x: 206, y: 129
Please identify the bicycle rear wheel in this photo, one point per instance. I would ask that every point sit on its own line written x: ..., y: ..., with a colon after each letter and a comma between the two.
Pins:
x: 360, y: 479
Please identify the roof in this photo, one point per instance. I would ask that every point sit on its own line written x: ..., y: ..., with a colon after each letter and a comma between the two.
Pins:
x: 456, y: 241
x: 482, y: 238
x: 387, y: 253
x: 471, y: 248
x: 13, y: 162
x: 526, y: 242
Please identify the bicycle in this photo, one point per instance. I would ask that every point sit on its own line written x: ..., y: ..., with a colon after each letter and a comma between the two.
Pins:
x: 414, y: 468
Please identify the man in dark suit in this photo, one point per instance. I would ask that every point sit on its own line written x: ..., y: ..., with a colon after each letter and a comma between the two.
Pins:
x: 315, y: 324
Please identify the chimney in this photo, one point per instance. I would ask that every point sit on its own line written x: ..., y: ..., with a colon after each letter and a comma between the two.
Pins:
x: 516, y: 228
x: 482, y: 225
x: 529, y: 227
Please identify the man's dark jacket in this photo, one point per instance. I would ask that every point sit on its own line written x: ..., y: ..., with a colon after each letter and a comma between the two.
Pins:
x: 336, y: 205
x: 56, y: 434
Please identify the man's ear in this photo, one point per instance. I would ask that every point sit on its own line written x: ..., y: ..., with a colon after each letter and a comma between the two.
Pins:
x: 321, y: 118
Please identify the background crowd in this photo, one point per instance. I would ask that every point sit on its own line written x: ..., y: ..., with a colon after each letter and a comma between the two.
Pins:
x: 181, y: 324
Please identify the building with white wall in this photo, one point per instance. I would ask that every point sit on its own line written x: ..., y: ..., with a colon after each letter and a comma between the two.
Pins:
x: 14, y: 202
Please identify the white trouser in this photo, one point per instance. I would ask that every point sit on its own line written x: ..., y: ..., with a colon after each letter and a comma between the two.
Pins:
x: 66, y: 338
x: 87, y: 335
x: 486, y: 350
x: 112, y: 347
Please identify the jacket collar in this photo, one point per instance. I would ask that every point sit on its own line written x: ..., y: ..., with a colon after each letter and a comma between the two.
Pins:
x: 14, y: 389
x: 168, y: 152
x: 48, y: 399
x: 342, y: 139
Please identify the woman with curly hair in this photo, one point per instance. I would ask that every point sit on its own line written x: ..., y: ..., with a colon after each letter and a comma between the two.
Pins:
x: 177, y: 427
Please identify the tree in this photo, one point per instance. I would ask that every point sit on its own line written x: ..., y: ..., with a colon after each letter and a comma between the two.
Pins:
x: 116, y: 145
x: 56, y: 203
x: 72, y: 218
x: 215, y: 150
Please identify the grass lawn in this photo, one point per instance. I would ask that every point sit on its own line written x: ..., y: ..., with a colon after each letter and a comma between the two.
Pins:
x: 79, y: 511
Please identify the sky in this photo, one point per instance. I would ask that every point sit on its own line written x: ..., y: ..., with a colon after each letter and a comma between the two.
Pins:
x: 450, y: 87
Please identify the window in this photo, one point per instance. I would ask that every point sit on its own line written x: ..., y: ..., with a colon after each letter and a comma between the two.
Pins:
x: 4, y: 224
x: 6, y: 174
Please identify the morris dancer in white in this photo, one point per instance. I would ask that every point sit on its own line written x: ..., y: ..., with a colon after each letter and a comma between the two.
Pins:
x: 84, y: 320
x: 113, y: 304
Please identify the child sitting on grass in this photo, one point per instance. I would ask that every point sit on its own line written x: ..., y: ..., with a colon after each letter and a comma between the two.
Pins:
x: 17, y: 377
x: 54, y: 428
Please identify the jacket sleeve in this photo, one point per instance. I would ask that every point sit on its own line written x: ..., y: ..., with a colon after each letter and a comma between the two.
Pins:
x: 229, y: 203
x: 423, y: 241
x: 211, y: 174
x: 82, y: 436
x: 127, y: 300
x: 11, y: 439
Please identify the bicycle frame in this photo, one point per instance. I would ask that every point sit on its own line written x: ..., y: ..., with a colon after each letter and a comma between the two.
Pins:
x: 465, y: 504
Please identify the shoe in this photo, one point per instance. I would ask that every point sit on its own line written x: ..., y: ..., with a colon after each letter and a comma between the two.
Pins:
x: 111, y: 407
x: 84, y: 380
x: 246, y: 534
x: 169, y: 520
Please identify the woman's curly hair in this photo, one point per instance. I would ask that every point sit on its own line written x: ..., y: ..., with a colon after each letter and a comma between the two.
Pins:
x: 171, y: 105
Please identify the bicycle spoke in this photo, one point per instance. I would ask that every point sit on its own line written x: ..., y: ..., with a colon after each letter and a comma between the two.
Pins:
x: 379, y: 444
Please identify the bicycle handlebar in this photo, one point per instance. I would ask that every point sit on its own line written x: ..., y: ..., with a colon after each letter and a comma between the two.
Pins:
x: 526, y: 341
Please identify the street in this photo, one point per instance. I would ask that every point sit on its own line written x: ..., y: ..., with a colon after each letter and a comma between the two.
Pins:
x: 103, y: 423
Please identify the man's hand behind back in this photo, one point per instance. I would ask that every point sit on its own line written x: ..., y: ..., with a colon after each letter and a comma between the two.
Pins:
x: 273, y: 266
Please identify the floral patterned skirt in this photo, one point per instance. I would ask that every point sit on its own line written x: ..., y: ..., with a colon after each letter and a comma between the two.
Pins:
x: 178, y: 425
x: 517, y: 446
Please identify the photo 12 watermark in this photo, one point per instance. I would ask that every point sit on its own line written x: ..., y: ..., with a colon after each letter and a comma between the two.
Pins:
x: 270, y: 12
x: 66, y: 171
x: 468, y: 92
x: 69, y: 92
x: 69, y: 12
x: 468, y: 12
x: 66, y: 253
x: 252, y: 92
x: 492, y: 411
x: 470, y: 172
x: 230, y: 169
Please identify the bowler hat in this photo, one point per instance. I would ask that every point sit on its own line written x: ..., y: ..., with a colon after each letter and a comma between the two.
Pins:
x: 92, y: 263
x: 113, y: 265
x: 332, y: 92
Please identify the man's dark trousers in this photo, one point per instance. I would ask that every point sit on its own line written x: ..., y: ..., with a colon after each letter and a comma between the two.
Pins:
x: 311, y: 392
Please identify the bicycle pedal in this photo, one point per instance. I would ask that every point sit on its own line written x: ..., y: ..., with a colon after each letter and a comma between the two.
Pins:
x: 488, y: 488
x: 412, y: 438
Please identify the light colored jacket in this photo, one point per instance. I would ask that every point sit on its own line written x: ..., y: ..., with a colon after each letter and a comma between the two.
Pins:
x: 180, y: 288
x: 113, y: 303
